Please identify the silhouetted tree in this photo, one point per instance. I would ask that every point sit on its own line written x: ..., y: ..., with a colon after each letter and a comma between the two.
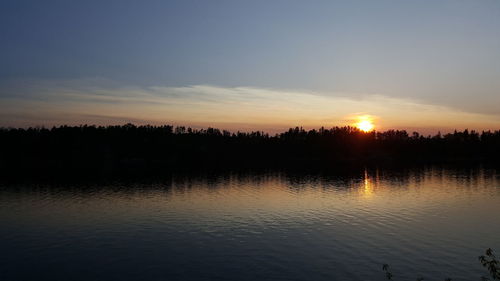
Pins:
x: 90, y: 150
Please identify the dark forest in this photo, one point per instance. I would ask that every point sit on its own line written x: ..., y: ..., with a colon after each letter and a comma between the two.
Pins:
x: 129, y: 149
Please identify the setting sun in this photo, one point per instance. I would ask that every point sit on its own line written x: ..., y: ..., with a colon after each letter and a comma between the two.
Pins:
x: 365, y: 124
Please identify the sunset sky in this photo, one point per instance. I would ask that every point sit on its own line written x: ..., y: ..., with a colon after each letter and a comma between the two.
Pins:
x: 251, y: 65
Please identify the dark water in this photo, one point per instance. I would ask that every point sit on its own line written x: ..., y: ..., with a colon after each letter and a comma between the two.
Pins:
x: 430, y: 223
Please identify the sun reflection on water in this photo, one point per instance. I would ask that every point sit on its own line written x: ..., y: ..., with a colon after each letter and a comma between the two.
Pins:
x: 367, y: 190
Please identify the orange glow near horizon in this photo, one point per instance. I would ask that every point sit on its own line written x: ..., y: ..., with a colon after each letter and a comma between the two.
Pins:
x: 365, y: 123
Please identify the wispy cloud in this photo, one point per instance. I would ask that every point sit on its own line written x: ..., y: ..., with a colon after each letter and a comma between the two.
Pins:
x: 106, y: 102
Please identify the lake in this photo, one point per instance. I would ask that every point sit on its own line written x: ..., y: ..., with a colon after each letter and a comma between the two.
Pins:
x: 431, y: 222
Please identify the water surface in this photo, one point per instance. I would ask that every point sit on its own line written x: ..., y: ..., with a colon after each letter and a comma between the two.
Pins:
x: 274, y: 226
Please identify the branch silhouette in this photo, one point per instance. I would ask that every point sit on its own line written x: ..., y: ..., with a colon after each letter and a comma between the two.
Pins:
x: 489, y: 261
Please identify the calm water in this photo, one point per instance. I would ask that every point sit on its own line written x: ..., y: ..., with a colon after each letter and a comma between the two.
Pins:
x: 430, y: 222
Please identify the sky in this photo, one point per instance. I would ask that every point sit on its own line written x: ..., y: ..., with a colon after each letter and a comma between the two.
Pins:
x: 268, y: 65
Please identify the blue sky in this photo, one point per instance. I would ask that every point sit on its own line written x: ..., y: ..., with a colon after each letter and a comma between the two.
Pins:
x: 432, y: 53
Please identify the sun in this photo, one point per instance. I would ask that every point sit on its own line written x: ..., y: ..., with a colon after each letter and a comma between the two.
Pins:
x: 365, y: 124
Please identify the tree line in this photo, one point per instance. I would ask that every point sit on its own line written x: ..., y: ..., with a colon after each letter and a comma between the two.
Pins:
x: 129, y: 148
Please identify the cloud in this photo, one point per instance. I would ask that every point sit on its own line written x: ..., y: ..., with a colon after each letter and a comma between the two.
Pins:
x: 99, y: 101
